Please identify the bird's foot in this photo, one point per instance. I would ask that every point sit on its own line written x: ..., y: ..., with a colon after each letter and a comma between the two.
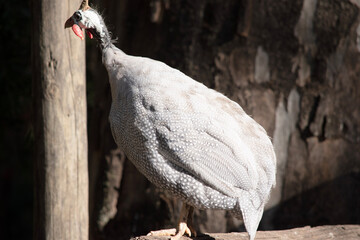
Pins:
x: 183, y: 229
x: 163, y: 232
x: 192, y: 231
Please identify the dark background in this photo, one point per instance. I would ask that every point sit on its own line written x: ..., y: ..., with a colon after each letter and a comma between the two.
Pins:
x: 16, y: 140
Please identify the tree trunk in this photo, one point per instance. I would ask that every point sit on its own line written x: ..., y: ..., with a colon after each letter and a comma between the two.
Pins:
x: 59, y: 97
x: 294, y: 66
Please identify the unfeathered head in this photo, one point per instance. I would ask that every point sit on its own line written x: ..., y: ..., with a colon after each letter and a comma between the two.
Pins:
x: 88, y: 19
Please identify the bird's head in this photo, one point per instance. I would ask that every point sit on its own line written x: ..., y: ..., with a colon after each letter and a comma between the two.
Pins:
x: 88, y: 19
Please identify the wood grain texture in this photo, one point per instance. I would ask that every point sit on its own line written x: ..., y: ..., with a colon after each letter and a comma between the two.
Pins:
x: 59, y: 98
x: 311, y: 233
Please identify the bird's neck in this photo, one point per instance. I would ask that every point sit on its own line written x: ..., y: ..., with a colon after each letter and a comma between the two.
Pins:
x: 114, y: 60
x: 105, y: 39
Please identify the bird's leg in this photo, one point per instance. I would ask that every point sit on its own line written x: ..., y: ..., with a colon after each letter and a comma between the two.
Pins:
x: 190, y: 221
x: 185, y: 215
x: 185, y: 219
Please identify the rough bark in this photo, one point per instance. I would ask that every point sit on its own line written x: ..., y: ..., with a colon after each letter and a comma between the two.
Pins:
x: 59, y: 97
x: 292, y: 65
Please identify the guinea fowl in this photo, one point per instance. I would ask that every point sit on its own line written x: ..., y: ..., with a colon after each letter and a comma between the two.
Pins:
x: 187, y: 139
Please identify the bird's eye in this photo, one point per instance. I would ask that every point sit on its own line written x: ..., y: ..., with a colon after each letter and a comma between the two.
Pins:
x: 77, y: 16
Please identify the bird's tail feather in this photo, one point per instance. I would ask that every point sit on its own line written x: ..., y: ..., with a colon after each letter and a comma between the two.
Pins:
x: 251, y: 215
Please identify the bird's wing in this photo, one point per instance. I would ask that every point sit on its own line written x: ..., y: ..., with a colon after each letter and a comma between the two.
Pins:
x: 210, y: 146
x: 204, y: 153
x: 203, y: 132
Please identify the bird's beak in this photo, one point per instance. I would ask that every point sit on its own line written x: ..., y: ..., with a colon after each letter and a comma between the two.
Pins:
x: 69, y: 22
x: 75, y: 27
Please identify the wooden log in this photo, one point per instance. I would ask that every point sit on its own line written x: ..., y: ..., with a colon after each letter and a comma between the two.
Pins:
x: 59, y: 96
x: 345, y: 232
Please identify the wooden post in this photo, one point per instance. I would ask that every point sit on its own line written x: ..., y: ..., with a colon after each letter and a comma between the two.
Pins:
x: 59, y: 97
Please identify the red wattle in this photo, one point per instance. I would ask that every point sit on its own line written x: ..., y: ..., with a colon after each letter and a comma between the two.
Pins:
x: 89, y: 34
x: 78, y: 32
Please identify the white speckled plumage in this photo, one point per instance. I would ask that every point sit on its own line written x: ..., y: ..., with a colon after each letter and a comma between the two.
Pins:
x: 188, y: 139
